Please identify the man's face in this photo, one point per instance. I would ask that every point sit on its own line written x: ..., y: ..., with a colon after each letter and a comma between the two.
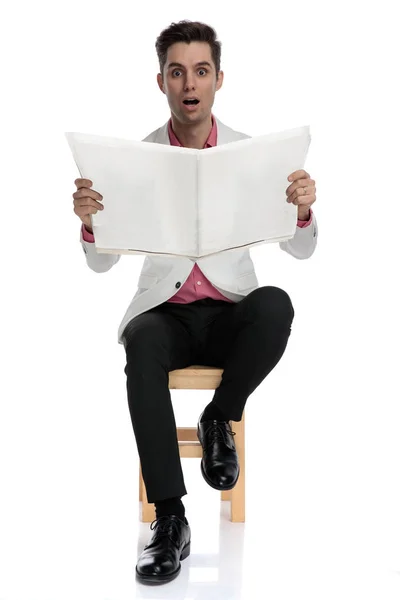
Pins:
x: 190, y: 80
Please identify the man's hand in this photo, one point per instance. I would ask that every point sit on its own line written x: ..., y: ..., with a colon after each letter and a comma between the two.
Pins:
x: 86, y: 202
x: 302, y: 193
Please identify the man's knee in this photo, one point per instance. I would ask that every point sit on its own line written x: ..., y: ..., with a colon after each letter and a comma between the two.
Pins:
x: 272, y: 301
x: 142, y: 333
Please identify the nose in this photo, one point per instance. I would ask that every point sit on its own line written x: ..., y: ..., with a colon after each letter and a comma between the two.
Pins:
x: 189, y: 82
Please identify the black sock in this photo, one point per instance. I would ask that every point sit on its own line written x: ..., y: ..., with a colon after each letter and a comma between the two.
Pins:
x: 211, y: 412
x: 170, y: 506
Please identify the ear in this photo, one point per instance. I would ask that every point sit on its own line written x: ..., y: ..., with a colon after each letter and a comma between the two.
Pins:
x: 160, y: 82
x: 220, y: 80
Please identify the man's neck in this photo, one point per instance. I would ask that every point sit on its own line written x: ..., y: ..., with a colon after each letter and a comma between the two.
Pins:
x: 192, y: 136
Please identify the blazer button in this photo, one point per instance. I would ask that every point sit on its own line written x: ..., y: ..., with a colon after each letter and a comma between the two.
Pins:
x: 178, y: 284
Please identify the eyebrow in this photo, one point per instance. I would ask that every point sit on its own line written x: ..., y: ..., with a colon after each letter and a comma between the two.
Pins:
x: 175, y: 64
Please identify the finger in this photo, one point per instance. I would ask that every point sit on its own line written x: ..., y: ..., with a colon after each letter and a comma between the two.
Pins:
x: 300, y: 183
x: 85, y: 202
x: 83, y: 211
x: 80, y: 183
x: 304, y: 199
x: 298, y: 174
x: 87, y: 193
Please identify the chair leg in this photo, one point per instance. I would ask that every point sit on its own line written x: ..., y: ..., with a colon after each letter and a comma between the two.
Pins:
x: 148, y: 510
x: 226, y: 495
x: 238, y: 492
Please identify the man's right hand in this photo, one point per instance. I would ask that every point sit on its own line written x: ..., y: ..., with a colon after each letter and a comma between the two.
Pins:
x: 86, y: 202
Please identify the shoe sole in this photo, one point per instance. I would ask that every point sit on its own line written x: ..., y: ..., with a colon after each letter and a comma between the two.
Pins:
x: 215, y: 487
x: 160, y: 579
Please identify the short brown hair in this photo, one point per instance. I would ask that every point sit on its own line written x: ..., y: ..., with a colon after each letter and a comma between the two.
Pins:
x: 188, y: 31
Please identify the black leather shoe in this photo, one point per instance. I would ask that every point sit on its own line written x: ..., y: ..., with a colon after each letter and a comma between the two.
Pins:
x: 169, y: 544
x: 220, y: 463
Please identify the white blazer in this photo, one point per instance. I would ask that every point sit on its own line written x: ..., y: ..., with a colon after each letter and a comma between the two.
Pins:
x: 231, y: 272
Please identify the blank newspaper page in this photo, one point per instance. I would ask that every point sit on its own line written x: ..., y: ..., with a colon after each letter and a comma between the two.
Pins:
x: 149, y: 194
x: 242, y: 190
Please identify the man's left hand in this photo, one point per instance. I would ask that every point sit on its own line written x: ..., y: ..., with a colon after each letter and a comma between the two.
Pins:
x: 302, y: 193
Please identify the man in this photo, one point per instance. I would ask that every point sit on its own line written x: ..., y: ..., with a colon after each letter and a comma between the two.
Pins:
x: 210, y: 311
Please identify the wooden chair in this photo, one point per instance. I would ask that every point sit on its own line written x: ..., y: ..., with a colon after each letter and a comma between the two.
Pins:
x: 197, y: 377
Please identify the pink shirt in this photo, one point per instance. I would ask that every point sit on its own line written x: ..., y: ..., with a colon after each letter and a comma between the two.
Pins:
x: 197, y: 286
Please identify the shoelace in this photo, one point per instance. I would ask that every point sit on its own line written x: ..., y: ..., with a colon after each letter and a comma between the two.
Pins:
x: 166, y: 527
x: 217, y: 432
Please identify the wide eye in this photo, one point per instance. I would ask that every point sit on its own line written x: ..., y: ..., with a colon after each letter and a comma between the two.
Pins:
x: 178, y: 71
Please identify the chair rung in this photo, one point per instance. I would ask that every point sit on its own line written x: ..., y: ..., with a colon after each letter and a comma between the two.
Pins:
x: 182, y: 443
x: 194, y: 451
x: 187, y: 434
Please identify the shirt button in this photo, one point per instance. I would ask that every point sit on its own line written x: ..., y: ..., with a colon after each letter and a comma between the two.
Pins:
x: 199, y: 283
x: 178, y: 284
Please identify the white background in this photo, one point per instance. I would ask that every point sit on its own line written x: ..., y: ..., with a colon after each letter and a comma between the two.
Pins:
x: 323, y: 444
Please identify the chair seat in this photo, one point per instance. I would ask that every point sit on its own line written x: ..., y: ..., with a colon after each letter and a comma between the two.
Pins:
x: 195, y: 377
x: 199, y: 377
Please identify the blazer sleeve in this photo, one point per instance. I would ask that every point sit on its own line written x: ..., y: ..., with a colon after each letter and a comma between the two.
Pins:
x: 304, y: 241
x: 98, y: 262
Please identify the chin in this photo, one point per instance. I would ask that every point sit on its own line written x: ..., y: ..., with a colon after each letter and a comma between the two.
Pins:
x: 193, y: 115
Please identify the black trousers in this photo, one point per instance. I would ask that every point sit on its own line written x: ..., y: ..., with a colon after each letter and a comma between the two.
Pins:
x: 246, y: 339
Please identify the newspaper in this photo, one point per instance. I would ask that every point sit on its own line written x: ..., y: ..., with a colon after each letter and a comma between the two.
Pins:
x: 169, y: 200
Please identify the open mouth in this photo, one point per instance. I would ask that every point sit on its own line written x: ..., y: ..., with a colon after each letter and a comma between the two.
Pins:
x: 191, y: 102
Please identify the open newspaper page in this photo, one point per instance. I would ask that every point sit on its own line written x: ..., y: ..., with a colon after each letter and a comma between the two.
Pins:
x: 242, y: 185
x: 149, y: 194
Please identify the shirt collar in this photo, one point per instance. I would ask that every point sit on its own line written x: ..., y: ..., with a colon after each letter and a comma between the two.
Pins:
x: 211, y: 140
